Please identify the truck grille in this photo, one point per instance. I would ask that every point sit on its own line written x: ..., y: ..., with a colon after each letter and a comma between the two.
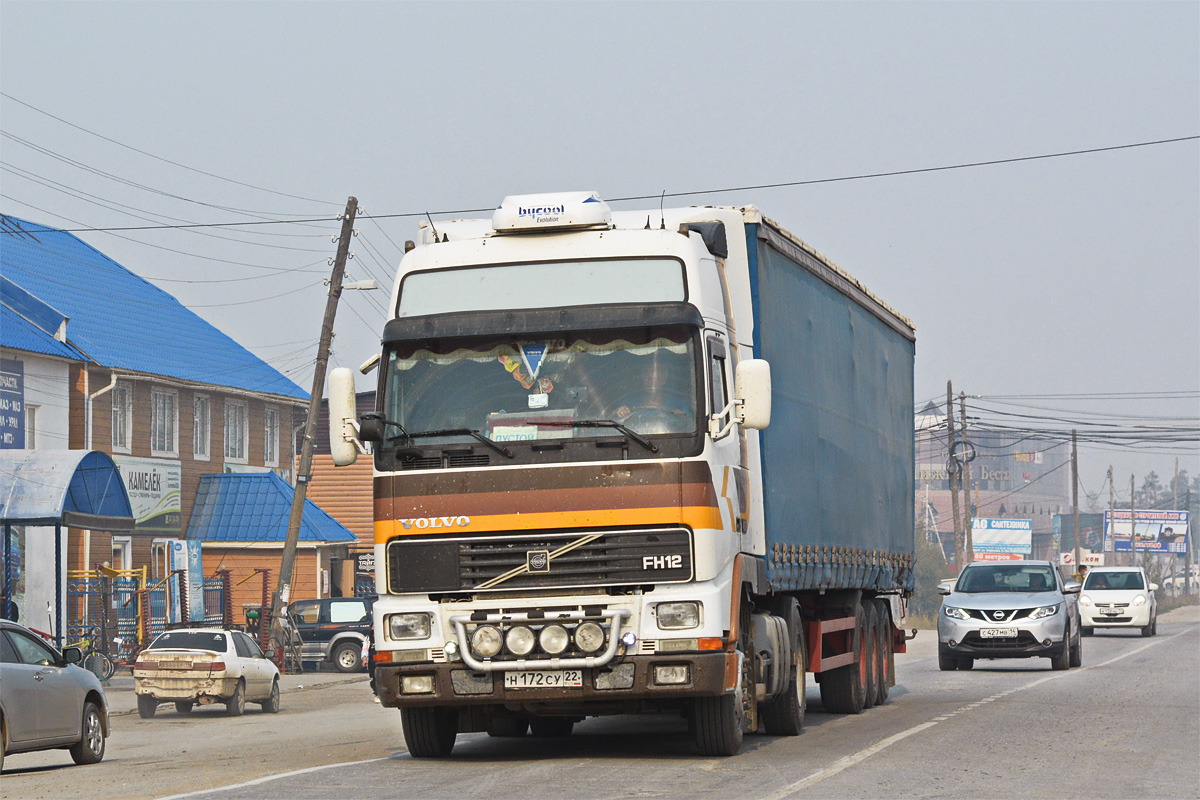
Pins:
x: 529, y: 560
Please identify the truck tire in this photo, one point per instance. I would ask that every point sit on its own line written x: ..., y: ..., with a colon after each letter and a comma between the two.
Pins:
x: 843, y: 690
x: 871, y: 643
x: 347, y: 657
x: 784, y: 715
x: 718, y: 724
x: 551, y: 727
x: 885, y: 653
x: 147, y: 705
x: 429, y: 731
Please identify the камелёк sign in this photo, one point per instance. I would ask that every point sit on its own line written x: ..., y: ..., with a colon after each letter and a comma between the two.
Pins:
x: 154, y: 496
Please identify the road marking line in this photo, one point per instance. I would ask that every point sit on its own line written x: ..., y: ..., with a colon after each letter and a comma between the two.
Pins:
x: 269, y: 778
x: 846, y: 762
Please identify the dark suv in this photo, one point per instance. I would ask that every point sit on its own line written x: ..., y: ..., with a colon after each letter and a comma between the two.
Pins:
x: 336, y: 629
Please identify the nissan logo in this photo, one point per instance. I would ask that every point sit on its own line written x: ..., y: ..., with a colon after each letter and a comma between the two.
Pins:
x: 998, y: 614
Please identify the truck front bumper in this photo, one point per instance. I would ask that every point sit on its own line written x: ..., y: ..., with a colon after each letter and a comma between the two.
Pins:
x: 631, y: 678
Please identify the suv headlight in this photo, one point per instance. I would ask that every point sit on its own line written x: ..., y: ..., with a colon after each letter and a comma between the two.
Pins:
x: 1045, y: 611
x: 409, y: 626
x: 678, y: 616
x: 956, y: 613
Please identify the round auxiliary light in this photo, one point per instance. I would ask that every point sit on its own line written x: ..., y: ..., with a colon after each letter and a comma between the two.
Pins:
x: 554, y: 639
x: 589, y: 637
x: 629, y: 638
x: 520, y: 640
x: 486, y: 640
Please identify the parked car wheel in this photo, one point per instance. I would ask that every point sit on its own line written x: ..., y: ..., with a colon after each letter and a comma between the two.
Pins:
x: 147, y: 705
x: 90, y: 747
x: 236, y: 704
x: 271, y: 704
x: 347, y: 657
x: 183, y: 706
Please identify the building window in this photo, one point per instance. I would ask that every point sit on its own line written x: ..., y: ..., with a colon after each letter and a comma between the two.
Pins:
x: 122, y: 416
x: 201, y: 427
x: 236, y: 431
x: 271, y: 434
x: 31, y: 427
x: 164, y: 422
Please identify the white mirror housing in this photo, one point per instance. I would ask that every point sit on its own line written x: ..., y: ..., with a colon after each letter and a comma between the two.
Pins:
x: 752, y: 386
x: 343, y: 430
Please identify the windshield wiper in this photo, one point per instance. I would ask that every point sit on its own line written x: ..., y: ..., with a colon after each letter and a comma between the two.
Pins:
x: 609, y: 423
x: 479, y: 437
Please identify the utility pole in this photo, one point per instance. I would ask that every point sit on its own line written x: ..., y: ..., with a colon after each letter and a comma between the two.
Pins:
x: 1075, y: 497
x: 1173, y: 558
x: 1132, y: 525
x: 1112, y: 513
x: 304, y: 470
x: 952, y: 468
x: 1187, y: 579
x: 968, y: 524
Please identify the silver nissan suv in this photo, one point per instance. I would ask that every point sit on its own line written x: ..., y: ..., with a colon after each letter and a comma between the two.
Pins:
x: 1009, y: 609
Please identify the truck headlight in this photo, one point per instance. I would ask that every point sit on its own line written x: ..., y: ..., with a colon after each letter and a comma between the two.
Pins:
x: 956, y: 613
x: 486, y: 641
x: 677, y: 616
x: 520, y: 640
x: 1044, y: 611
x: 409, y: 626
x: 589, y: 637
x: 554, y: 639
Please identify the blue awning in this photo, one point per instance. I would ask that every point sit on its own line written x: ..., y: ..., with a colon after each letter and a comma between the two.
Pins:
x: 77, y: 488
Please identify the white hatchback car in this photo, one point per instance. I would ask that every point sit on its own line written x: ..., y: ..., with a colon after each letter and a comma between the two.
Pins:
x: 205, y: 666
x: 1118, y: 597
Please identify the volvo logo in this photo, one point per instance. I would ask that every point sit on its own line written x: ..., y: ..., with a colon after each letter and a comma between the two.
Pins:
x: 998, y: 614
x: 436, y: 522
x: 537, y: 561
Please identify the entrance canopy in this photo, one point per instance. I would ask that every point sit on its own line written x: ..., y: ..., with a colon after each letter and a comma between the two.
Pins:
x: 77, y: 488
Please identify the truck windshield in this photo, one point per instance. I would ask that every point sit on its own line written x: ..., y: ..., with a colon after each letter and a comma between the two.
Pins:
x: 530, y: 390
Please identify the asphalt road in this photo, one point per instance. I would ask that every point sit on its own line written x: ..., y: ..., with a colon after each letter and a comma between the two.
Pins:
x: 1126, y: 724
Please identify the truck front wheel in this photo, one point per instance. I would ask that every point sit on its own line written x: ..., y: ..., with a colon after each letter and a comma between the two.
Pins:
x: 718, y: 724
x: 429, y: 732
x: 784, y: 715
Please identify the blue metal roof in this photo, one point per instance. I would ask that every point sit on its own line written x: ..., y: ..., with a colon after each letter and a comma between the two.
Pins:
x: 122, y: 321
x: 21, y: 334
x: 256, y: 507
x: 40, y: 486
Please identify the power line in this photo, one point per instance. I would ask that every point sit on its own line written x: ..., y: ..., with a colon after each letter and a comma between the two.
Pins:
x: 812, y: 182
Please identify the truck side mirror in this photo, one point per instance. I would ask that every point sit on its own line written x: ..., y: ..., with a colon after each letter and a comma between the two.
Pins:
x: 752, y: 385
x: 344, y: 444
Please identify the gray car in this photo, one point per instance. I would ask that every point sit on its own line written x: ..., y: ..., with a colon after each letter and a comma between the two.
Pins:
x: 1009, y: 609
x: 48, y: 701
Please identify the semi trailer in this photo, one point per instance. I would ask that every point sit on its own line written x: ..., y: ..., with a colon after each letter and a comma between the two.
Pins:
x: 629, y: 462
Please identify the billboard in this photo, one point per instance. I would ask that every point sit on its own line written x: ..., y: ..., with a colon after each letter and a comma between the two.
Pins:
x: 12, y: 405
x: 1156, y: 532
x: 154, y: 496
x: 1001, y: 539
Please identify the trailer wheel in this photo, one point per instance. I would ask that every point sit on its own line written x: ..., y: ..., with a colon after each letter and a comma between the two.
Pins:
x: 784, y: 715
x: 843, y: 690
x: 885, y: 652
x: 429, y: 731
x: 871, y: 660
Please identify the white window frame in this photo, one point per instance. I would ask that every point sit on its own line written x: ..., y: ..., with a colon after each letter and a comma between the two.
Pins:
x: 237, y: 433
x: 271, y: 417
x: 122, y: 417
x: 124, y: 546
x: 201, y: 422
x: 31, y: 434
x: 164, y: 422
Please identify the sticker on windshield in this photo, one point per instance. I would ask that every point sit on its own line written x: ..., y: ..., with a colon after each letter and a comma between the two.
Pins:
x: 539, y: 400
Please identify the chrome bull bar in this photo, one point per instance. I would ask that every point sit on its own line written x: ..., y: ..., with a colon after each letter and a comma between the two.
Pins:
x: 616, y: 617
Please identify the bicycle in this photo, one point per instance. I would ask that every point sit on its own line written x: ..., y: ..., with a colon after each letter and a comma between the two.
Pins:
x: 94, y: 660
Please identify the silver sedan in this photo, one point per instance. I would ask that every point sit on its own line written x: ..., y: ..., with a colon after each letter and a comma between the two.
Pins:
x: 47, y: 701
x: 1009, y: 609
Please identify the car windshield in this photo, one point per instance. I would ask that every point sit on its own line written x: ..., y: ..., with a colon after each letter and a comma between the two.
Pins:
x: 1005, y: 578
x: 213, y: 641
x: 530, y: 390
x: 1114, y: 580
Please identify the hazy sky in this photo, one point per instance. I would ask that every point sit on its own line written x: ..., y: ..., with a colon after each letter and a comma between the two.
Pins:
x: 1072, y: 276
